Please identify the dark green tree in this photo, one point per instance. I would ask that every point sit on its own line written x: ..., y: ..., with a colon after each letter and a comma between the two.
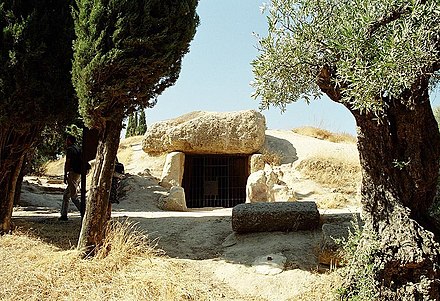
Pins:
x: 126, y: 53
x: 136, y: 121
x: 379, y: 59
x: 35, y: 85
x: 142, y: 124
x: 50, y: 145
x: 131, y: 126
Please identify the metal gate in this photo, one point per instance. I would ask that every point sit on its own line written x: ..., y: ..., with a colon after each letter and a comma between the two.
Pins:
x: 215, y: 180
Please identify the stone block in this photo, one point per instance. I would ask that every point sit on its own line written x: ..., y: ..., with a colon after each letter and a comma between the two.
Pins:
x: 174, y: 201
x: 277, y: 216
x: 172, y: 173
x: 257, y: 163
x: 330, y: 249
x: 240, y: 132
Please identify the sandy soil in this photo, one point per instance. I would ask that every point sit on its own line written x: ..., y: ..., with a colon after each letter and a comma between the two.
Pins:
x: 258, y: 266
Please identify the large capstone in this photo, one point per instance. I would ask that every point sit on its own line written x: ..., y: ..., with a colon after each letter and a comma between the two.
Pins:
x: 240, y: 132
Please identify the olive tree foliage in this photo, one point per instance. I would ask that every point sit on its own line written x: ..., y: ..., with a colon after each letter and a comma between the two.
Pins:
x: 372, y: 49
x: 126, y: 53
x: 379, y: 59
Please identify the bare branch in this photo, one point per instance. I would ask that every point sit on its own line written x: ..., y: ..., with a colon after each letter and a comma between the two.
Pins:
x: 324, y: 82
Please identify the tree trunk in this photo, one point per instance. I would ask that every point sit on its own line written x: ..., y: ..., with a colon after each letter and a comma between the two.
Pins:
x: 400, y: 166
x: 98, y: 206
x: 13, y: 147
x: 7, y: 188
x: 19, y: 185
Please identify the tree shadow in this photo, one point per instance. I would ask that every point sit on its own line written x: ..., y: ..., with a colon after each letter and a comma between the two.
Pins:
x: 207, y: 237
x: 61, y: 234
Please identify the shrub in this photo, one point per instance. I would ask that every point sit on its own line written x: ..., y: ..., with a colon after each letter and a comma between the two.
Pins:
x: 358, y: 254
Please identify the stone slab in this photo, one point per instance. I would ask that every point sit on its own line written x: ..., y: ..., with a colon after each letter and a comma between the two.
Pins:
x: 241, y: 132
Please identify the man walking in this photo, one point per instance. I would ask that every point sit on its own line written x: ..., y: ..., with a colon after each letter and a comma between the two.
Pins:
x: 72, y: 176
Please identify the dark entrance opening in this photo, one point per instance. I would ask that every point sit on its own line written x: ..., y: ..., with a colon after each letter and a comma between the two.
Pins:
x: 215, y: 180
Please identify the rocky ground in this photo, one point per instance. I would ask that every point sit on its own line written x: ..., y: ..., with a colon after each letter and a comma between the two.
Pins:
x: 256, y: 266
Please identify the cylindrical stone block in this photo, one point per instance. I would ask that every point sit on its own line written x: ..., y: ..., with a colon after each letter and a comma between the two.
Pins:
x: 277, y: 216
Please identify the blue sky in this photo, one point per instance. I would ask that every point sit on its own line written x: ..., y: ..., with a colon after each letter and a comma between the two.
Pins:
x: 217, y: 72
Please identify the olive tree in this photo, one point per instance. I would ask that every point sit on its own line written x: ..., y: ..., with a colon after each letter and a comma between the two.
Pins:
x: 126, y: 53
x: 35, y: 86
x: 379, y: 59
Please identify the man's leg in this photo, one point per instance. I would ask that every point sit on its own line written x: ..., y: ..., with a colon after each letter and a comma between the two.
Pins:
x: 74, y: 179
x: 65, y: 203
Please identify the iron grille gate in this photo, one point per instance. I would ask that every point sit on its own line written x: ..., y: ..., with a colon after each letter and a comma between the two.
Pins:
x: 215, y: 180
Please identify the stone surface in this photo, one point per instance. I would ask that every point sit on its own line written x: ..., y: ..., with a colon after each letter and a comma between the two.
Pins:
x: 329, y: 250
x: 173, y: 168
x: 271, y: 264
x: 283, y: 193
x: 266, y: 186
x: 240, y: 132
x: 257, y: 162
x: 278, y: 216
x: 282, y: 147
x: 174, y: 201
x: 230, y: 240
x: 257, y: 189
x: 340, y: 218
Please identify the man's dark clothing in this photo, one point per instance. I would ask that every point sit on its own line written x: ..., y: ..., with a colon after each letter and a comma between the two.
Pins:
x: 74, y: 154
x: 72, y: 178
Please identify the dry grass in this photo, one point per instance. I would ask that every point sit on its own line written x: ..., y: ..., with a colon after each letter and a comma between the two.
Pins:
x: 332, y: 172
x: 128, y: 269
x: 54, y: 168
x: 322, y: 289
x: 336, y: 201
x: 325, y: 135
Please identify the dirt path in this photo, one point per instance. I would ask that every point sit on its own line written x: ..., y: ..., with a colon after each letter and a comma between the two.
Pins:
x: 204, y: 243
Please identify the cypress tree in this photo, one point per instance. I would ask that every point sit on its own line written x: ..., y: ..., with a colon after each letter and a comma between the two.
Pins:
x: 136, y: 119
x: 35, y: 86
x: 130, y: 126
x: 126, y: 53
x: 142, y: 124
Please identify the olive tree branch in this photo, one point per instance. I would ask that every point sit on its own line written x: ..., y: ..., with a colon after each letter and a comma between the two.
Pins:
x: 385, y: 20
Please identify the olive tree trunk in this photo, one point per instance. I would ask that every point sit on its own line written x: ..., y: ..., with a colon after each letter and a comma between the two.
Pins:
x: 400, y: 167
x: 98, y: 206
x: 14, y: 146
